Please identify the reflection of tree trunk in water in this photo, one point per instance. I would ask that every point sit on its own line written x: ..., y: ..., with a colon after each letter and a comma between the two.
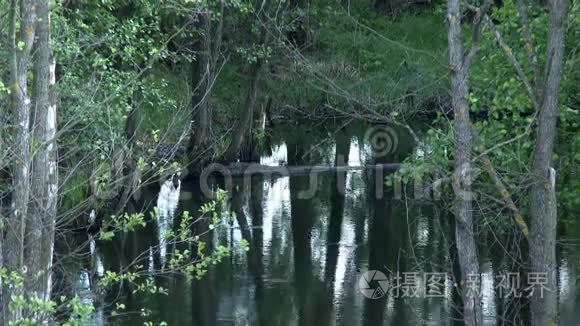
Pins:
x: 440, y: 230
x: 256, y: 250
x: 506, y: 257
x: 456, y: 301
x: 431, y: 252
x: 387, y: 244
x: 360, y: 214
x: 498, y: 262
x: 378, y: 245
x: 337, y: 195
x: 348, y: 310
x: 204, y: 297
x: 302, y: 214
x: 256, y: 197
x: 379, y: 249
x: 519, y: 311
x: 569, y: 308
x: 238, y: 192
x: 400, y: 256
x: 204, y: 302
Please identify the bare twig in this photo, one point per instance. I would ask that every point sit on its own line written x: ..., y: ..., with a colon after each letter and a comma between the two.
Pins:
x: 476, y: 32
x: 513, y: 60
x: 529, y: 45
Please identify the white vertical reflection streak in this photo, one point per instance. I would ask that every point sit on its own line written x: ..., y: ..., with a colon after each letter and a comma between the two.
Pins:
x: 488, y: 293
x: 347, y: 238
x: 166, y: 204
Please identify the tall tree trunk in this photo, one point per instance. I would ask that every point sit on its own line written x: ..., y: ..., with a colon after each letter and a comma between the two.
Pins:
x: 20, y: 64
x: 543, y: 209
x: 243, y: 130
x: 217, y: 39
x: 466, y: 246
x: 131, y: 173
x: 42, y: 214
x: 202, y: 80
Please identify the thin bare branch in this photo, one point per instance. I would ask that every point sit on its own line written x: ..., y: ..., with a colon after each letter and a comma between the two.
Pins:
x: 513, y: 60
x: 529, y: 46
x: 476, y: 32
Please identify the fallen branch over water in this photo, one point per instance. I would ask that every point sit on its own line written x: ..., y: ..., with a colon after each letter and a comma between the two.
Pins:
x: 248, y: 169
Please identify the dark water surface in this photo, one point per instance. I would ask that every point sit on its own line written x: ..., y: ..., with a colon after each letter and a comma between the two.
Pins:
x: 308, y: 253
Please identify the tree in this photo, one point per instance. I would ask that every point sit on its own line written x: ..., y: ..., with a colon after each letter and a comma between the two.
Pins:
x: 30, y: 229
x: 44, y: 183
x: 543, y: 92
x: 543, y: 206
x: 243, y: 131
x: 202, y: 82
x: 459, y: 62
x: 21, y: 44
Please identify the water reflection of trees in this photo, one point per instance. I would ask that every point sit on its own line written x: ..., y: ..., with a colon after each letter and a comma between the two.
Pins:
x: 307, y: 254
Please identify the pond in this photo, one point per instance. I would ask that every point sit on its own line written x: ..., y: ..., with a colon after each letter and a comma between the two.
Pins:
x: 313, y: 240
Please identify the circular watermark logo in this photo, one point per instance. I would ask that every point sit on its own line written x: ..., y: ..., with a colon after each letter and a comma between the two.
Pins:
x: 373, y: 284
x: 383, y: 140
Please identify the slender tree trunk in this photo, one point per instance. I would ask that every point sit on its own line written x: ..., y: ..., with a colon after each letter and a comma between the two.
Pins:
x: 20, y: 65
x: 202, y: 77
x: 543, y: 209
x: 218, y: 37
x: 243, y: 130
x: 42, y: 215
x: 42, y: 211
x: 131, y: 173
x: 238, y: 199
x: 466, y: 246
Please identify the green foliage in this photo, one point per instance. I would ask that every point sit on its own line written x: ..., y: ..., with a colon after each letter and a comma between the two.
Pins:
x: 103, y: 54
x: 362, y: 57
x: 497, y: 89
x: 75, y: 190
x: 117, y: 56
x: 506, y: 116
x: 193, y: 264
x: 34, y: 308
